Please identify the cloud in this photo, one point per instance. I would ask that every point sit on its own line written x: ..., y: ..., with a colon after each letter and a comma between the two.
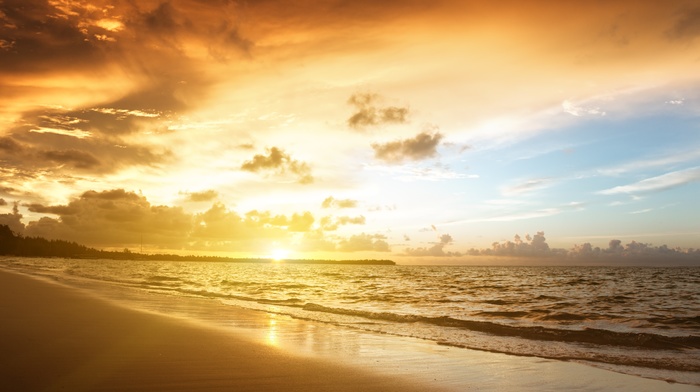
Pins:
x: 36, y: 31
x: 680, y: 101
x: 678, y: 157
x: 532, y: 246
x: 687, y: 26
x: 410, y: 173
x: 2, y: 202
x: 13, y: 220
x: 578, y: 110
x: 329, y: 223
x: 528, y: 186
x: 202, y: 196
x: 279, y: 162
x: 59, y: 154
x: 364, y: 242
x: 530, y: 214
x: 112, y: 217
x: 330, y: 201
x: 423, y: 146
x: 658, y: 183
x: 74, y: 158
x: 369, y: 113
x: 9, y: 146
x: 437, y: 250
x: 118, y: 218
x: 296, y: 223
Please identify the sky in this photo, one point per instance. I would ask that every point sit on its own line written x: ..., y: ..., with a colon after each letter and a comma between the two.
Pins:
x: 407, y: 130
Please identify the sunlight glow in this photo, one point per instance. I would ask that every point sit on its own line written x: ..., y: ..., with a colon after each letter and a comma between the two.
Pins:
x: 279, y: 254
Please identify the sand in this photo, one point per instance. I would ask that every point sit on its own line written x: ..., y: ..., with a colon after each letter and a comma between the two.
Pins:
x: 55, y: 337
x: 58, y: 339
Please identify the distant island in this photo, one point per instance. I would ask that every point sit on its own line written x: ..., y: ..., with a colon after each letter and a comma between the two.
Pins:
x: 17, y: 245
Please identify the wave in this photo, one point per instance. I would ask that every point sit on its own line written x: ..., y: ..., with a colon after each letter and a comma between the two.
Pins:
x: 642, y: 340
x: 587, y: 335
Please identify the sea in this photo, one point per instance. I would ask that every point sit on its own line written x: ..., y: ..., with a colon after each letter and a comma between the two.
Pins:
x: 636, y: 320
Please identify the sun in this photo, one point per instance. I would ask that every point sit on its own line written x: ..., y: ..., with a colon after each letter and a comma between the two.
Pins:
x: 279, y: 254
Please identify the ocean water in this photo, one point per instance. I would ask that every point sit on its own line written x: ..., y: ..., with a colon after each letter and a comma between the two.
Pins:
x: 643, y: 321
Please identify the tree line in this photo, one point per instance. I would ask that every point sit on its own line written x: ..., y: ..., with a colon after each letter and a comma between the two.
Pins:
x: 12, y: 244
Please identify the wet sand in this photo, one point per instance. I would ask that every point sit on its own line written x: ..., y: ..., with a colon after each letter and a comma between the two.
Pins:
x: 56, y: 338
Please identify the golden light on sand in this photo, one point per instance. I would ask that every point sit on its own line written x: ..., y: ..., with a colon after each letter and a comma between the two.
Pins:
x: 271, y: 337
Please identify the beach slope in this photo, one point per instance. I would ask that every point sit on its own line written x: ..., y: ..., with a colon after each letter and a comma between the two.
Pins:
x: 58, y: 338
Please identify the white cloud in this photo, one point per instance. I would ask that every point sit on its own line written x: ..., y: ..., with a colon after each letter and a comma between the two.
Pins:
x: 524, y: 215
x: 510, y: 217
x: 527, y: 186
x: 77, y: 133
x: 658, y: 183
x: 414, y: 173
x: 578, y: 110
x: 675, y: 158
x: 124, y: 112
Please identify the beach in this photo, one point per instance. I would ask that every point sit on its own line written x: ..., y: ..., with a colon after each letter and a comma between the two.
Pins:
x: 57, y: 337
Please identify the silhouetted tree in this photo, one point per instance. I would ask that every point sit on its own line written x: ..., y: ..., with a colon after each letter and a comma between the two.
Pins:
x: 8, y: 241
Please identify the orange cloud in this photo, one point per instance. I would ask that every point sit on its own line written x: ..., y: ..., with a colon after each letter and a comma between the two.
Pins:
x: 423, y: 146
x: 202, y: 196
x: 370, y: 114
x: 279, y: 162
x: 330, y: 201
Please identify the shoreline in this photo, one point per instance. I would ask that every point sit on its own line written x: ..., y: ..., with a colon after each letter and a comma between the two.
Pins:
x: 211, y: 349
x: 58, y: 338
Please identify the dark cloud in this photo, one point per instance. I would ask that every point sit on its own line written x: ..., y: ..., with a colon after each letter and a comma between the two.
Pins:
x: 144, y: 42
x: 369, y: 113
x: 74, y: 158
x: 279, y: 162
x: 229, y: 39
x: 60, y: 32
x: 197, y: 197
x: 162, y: 20
x: 56, y: 141
x: 114, y: 217
x: 423, y: 146
x: 364, y: 242
x: 38, y: 37
x: 687, y: 26
x: 9, y: 145
x: 56, y: 210
x: 330, y: 201
x: 3, y: 202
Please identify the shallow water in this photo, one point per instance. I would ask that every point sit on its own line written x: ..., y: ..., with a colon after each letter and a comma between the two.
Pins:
x: 643, y: 321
